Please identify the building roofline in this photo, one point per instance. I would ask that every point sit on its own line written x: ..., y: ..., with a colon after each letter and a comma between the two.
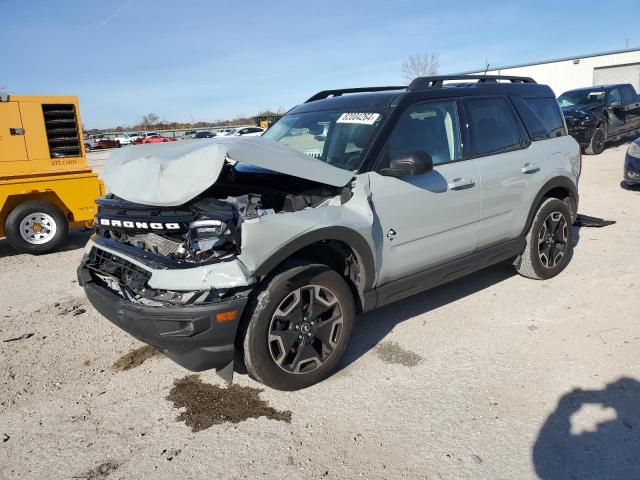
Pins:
x: 542, y: 62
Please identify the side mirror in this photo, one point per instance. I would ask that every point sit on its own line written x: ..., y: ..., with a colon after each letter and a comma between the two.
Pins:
x: 615, y: 104
x: 408, y: 163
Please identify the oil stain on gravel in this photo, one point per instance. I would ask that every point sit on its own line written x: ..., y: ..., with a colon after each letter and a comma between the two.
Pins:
x: 101, y: 471
x: 206, y: 405
x: 135, y: 358
x: 391, y: 352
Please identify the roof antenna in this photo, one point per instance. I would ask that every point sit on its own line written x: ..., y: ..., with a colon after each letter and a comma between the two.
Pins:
x: 486, y: 63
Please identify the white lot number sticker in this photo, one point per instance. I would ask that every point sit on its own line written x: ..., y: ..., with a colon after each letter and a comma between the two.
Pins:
x: 363, y: 118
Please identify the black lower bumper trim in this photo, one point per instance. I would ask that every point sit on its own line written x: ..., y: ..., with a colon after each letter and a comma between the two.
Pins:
x: 189, y: 335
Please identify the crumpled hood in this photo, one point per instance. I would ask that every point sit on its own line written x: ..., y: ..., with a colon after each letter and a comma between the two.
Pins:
x: 579, y: 111
x: 171, y: 174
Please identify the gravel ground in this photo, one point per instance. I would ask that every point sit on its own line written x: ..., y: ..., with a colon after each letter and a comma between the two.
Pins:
x: 492, y: 376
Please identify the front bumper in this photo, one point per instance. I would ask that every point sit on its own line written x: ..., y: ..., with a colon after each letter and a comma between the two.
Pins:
x: 582, y: 134
x: 189, y: 335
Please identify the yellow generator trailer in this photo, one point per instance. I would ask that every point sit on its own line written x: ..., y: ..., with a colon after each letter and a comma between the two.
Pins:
x: 46, y: 186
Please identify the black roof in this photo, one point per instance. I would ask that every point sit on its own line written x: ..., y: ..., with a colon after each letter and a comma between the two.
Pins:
x: 609, y: 86
x: 424, y: 88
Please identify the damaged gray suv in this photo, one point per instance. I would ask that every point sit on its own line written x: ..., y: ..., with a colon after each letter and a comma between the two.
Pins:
x: 264, y: 249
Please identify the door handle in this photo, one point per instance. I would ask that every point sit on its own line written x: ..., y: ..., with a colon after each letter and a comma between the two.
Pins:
x: 530, y: 168
x: 16, y: 131
x: 460, y: 184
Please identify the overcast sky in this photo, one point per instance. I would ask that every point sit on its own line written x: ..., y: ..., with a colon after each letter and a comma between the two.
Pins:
x: 208, y: 60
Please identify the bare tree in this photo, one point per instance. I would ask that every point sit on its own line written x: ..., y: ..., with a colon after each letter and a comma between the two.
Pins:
x: 149, y: 120
x: 420, y: 65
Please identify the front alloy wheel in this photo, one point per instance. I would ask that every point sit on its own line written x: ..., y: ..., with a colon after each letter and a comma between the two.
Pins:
x: 298, y: 326
x: 305, y: 329
x: 598, y: 141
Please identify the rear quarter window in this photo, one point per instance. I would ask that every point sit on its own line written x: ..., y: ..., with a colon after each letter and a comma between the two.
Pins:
x: 541, y: 116
x: 548, y: 112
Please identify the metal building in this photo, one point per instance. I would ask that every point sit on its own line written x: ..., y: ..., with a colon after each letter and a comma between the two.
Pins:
x: 620, y: 66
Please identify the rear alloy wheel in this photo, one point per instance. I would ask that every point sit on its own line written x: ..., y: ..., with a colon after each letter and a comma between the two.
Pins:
x: 552, y: 240
x: 598, y: 140
x: 549, y: 242
x: 36, y: 227
x: 298, y: 326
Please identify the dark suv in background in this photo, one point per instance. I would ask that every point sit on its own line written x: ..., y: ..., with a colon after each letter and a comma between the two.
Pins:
x: 595, y: 115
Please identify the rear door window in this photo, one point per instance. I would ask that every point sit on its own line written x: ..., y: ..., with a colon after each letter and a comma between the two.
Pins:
x: 628, y: 95
x: 614, y: 96
x: 492, y: 126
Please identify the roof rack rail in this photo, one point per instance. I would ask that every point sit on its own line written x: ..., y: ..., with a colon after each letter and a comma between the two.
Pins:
x: 336, y: 93
x: 422, y: 83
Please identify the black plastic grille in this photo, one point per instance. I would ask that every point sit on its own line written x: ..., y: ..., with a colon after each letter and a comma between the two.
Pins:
x: 61, y: 125
x: 127, y: 273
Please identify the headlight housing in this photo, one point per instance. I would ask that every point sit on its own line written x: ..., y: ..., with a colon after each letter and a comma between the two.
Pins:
x: 634, y: 150
x: 587, y: 120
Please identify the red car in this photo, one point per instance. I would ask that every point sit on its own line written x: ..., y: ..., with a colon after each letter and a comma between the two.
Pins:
x: 107, y: 143
x: 157, y: 139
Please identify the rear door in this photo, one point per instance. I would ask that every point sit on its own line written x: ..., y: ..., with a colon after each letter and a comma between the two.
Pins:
x: 631, y: 107
x: 12, y: 143
x: 425, y: 220
x: 508, y: 167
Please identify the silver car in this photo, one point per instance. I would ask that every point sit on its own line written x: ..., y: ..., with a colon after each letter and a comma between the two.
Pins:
x: 264, y: 249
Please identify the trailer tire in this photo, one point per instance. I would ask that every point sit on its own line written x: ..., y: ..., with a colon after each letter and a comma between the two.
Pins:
x: 36, y: 227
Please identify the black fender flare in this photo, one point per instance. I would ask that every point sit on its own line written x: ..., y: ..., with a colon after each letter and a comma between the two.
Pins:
x: 557, y: 182
x: 350, y: 237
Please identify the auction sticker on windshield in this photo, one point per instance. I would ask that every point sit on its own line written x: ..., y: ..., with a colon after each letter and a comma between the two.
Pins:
x: 364, y: 118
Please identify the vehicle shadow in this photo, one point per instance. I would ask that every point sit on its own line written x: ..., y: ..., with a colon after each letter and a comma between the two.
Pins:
x: 610, y: 450
x: 76, y: 239
x: 586, y: 221
x: 374, y: 326
x: 621, y: 141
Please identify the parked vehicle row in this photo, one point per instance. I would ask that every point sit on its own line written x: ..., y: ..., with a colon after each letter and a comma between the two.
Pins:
x: 93, y: 142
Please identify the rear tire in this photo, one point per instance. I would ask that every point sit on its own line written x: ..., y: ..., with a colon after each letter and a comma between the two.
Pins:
x: 298, y: 326
x: 597, y: 142
x: 549, y: 242
x: 36, y: 227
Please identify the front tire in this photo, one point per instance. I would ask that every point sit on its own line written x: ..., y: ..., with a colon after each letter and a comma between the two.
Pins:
x: 549, y: 242
x: 36, y: 227
x: 597, y: 142
x: 298, y: 326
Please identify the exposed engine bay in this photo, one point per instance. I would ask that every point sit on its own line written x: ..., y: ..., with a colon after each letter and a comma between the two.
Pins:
x: 208, y: 228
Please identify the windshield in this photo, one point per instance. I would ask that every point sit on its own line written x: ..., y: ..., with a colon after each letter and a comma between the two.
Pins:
x: 582, y: 97
x: 336, y: 137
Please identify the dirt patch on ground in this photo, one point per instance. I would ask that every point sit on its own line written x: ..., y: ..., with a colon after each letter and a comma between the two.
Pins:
x: 391, y: 352
x: 70, y: 307
x: 135, y: 358
x: 206, y: 405
x: 101, y: 471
